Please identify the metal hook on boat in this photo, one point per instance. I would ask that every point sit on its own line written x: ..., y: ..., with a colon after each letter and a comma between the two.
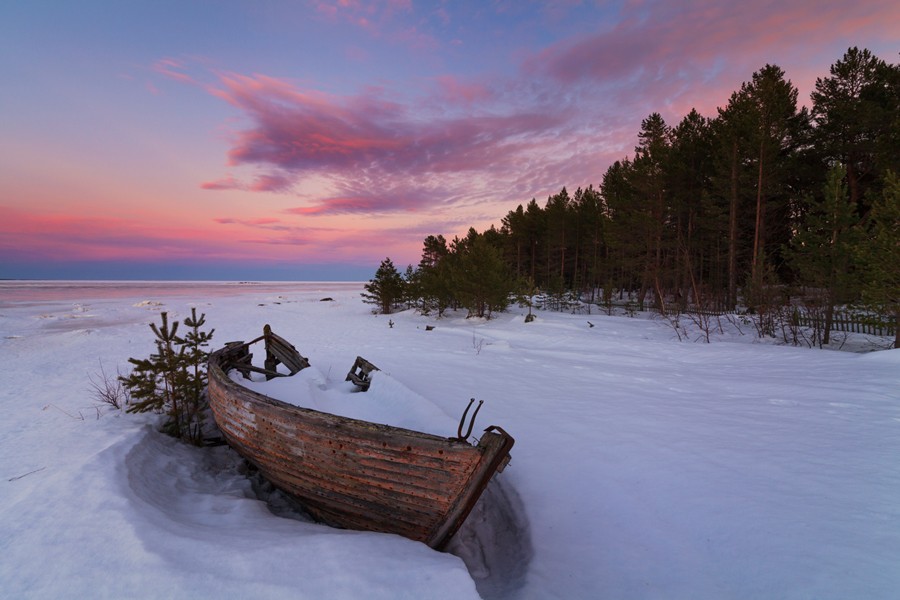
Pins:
x: 462, y: 421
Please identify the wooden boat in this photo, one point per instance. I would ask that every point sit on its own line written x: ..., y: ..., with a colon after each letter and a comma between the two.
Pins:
x: 346, y: 472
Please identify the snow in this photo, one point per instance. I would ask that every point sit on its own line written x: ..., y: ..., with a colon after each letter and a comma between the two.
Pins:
x: 644, y: 466
x: 387, y: 400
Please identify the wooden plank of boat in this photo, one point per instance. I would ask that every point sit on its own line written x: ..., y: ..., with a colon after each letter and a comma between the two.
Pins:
x: 280, y: 351
x: 351, y: 473
x: 361, y: 373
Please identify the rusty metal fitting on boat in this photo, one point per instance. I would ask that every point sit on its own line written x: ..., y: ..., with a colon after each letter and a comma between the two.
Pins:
x: 462, y: 421
x: 497, y: 428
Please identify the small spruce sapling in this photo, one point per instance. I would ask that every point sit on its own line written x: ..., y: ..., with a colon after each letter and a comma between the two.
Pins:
x: 193, y: 345
x: 173, y: 379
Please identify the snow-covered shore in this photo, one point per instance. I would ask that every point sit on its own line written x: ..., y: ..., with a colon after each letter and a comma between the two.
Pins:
x: 644, y: 467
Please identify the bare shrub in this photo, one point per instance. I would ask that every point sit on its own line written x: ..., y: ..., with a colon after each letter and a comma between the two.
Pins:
x: 791, y: 330
x: 737, y: 321
x: 478, y: 344
x: 673, y: 320
x: 702, y: 321
x: 107, y: 388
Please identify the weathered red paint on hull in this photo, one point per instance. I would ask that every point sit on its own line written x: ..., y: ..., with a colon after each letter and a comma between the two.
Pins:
x: 356, y: 474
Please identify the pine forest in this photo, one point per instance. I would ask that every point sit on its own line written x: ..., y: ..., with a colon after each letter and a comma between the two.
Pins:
x: 767, y: 208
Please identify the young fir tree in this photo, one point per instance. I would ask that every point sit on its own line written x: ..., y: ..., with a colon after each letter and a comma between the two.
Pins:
x: 173, y: 379
x: 879, y: 255
x: 386, y: 289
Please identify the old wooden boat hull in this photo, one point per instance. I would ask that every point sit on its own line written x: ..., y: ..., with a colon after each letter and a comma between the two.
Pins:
x: 356, y: 474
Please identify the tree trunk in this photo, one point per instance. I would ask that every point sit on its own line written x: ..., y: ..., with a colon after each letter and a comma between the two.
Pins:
x: 518, y: 258
x: 853, y: 185
x: 732, y: 230
x: 897, y: 328
x: 659, y: 296
x: 760, y: 208
x: 832, y: 293
x: 533, y: 259
x: 829, y: 321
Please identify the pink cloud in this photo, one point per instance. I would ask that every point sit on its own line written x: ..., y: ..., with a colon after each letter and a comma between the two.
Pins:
x: 68, y: 237
x: 288, y: 240
x: 26, y: 236
x: 338, y: 206
x: 261, y: 183
x: 301, y: 131
x: 574, y: 107
x: 263, y: 221
x: 173, y: 69
x: 271, y: 183
x: 701, y: 50
x: 227, y: 183
x: 381, y: 20
x: 458, y: 91
x: 362, y: 204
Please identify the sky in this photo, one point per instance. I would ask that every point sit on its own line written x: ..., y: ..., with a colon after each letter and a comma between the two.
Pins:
x: 309, y: 140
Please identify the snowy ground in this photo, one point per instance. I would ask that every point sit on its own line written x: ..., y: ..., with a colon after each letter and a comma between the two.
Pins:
x: 644, y: 467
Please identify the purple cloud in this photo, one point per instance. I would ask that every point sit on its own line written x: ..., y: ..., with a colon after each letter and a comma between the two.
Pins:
x: 381, y: 20
x: 261, y: 183
x: 300, y: 131
x: 271, y: 183
x: 695, y: 53
x: 261, y: 222
x: 226, y: 183
x: 363, y: 203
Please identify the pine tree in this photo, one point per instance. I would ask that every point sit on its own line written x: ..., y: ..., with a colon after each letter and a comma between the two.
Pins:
x: 852, y: 113
x: 481, y: 278
x: 625, y: 241
x: 696, y: 222
x: 412, y: 286
x: 434, y: 277
x: 589, y: 227
x: 386, y: 290
x: 729, y: 182
x: 649, y: 181
x: 773, y: 102
x: 558, y: 215
x: 513, y: 229
x: 535, y: 223
x: 879, y: 255
x: 821, y: 251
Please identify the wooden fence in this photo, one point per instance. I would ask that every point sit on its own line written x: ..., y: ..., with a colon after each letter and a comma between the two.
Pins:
x: 847, y: 322
x: 841, y: 321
